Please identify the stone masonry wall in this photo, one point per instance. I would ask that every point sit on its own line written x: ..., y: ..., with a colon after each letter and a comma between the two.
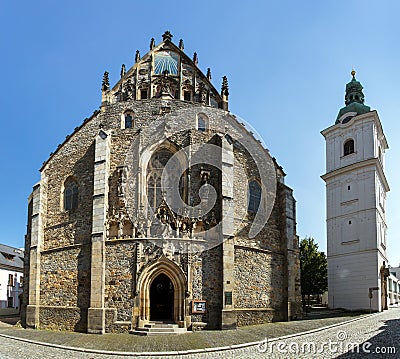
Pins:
x: 65, y: 277
x: 119, y: 285
x: 259, y: 282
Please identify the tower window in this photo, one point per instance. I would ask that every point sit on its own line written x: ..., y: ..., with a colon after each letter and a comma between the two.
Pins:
x: 187, y: 96
x: 348, y: 147
x: 70, y: 195
x: 348, y: 188
x: 254, y: 196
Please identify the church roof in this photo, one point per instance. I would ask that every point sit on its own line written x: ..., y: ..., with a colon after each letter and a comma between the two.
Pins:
x: 169, y: 61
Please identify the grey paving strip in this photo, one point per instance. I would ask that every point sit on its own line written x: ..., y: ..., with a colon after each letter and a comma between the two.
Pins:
x: 180, y: 352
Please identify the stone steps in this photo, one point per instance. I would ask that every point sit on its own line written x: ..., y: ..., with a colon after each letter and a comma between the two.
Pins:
x: 157, y: 328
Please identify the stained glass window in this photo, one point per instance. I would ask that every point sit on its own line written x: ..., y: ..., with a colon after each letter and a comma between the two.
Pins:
x: 166, y: 60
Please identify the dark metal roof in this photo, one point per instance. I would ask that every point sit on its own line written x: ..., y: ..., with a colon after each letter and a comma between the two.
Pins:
x: 11, y: 258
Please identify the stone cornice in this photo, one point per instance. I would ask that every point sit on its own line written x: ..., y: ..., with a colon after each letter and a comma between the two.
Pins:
x: 359, y: 118
x: 358, y: 165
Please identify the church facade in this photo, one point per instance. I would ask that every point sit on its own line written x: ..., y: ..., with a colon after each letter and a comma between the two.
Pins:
x: 162, y: 206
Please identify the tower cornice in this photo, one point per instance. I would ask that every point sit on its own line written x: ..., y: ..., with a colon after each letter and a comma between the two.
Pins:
x: 371, y: 162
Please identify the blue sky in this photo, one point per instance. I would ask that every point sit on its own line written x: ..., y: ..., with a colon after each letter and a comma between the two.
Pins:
x: 287, y: 64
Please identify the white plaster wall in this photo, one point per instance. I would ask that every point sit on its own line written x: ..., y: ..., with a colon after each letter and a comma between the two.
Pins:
x: 356, y: 227
x: 349, y: 279
x: 6, y: 291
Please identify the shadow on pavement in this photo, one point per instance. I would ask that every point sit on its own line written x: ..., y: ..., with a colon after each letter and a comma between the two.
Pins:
x: 12, y: 320
x: 386, y: 344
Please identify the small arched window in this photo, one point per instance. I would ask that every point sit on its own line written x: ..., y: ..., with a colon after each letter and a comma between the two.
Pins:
x: 348, y: 147
x: 128, y: 120
x: 254, y: 196
x: 202, y: 122
x: 70, y: 195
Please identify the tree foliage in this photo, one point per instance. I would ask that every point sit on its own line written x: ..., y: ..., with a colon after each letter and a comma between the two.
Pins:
x: 313, y: 267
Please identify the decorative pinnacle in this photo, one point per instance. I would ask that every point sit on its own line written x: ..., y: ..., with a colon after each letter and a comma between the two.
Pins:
x: 195, y: 58
x: 123, y: 71
x: 152, y: 43
x: 105, y: 85
x: 181, y: 45
x: 167, y: 36
x: 224, y: 88
x: 353, y: 73
x: 209, y: 74
x: 137, y: 56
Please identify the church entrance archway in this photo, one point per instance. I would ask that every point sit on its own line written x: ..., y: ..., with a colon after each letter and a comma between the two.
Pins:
x: 162, y: 287
x: 162, y: 299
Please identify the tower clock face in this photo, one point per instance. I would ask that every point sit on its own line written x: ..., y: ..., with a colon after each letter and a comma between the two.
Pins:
x: 166, y: 60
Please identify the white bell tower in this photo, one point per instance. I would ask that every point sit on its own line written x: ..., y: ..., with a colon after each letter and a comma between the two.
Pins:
x: 356, y: 189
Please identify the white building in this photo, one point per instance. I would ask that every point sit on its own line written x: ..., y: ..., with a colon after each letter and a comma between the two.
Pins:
x: 356, y: 189
x: 11, y: 276
x: 394, y: 287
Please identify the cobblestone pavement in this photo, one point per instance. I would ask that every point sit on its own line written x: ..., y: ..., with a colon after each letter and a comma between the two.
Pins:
x: 379, y: 332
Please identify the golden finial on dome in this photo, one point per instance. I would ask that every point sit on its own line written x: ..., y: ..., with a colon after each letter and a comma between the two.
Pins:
x: 353, y: 73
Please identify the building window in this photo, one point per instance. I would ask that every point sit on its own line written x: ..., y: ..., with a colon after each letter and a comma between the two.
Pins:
x: 254, y: 196
x: 348, y: 147
x: 187, y: 96
x: 11, y: 280
x: 128, y: 119
x: 143, y: 94
x: 10, y: 302
x: 202, y: 122
x: 21, y: 282
x: 172, y: 176
x: 154, y: 172
x: 70, y: 195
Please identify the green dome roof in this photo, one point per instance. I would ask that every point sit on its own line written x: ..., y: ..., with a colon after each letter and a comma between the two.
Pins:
x: 354, y: 98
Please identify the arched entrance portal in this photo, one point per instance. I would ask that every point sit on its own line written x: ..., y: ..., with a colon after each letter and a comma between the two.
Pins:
x: 162, y: 298
x: 162, y: 287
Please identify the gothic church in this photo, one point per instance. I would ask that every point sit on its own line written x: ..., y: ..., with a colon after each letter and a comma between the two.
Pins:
x: 162, y: 206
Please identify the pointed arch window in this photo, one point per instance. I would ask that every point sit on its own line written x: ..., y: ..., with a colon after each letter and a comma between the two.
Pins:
x: 202, y: 122
x: 156, y: 190
x: 154, y: 173
x: 348, y: 147
x: 254, y: 196
x: 71, y: 192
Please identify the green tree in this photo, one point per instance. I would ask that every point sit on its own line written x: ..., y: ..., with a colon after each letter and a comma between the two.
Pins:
x: 314, y: 269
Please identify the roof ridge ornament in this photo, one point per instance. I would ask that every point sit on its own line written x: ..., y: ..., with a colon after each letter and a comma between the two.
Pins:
x: 167, y: 36
x: 152, y: 43
x: 123, y: 71
x: 195, y: 58
x: 181, y: 45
